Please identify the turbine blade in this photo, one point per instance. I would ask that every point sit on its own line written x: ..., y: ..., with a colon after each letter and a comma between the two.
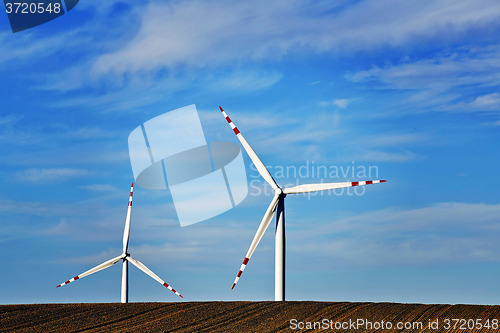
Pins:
x: 146, y: 270
x: 327, y: 186
x: 258, y: 236
x: 126, y: 231
x: 102, y: 266
x: 255, y: 159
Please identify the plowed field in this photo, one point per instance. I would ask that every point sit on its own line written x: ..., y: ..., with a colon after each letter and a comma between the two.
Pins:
x: 249, y: 317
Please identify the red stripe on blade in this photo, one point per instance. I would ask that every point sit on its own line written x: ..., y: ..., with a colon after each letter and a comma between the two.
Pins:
x: 245, y: 261
x: 354, y: 183
x: 165, y: 284
x: 66, y: 282
x: 368, y: 182
x: 76, y: 278
x: 383, y: 181
x: 236, y: 131
x: 233, y: 286
x: 239, y: 273
x: 228, y: 119
x: 221, y: 109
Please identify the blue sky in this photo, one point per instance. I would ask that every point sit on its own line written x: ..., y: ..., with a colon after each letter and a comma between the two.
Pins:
x: 411, y: 88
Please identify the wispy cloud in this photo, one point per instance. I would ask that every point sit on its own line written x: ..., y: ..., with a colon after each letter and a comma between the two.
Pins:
x: 7, y: 119
x: 50, y: 174
x: 100, y: 187
x: 32, y: 208
x: 377, y: 155
x: 467, y: 231
x: 85, y: 133
x: 247, y: 80
x: 234, y: 39
x: 390, y: 139
x: 386, y: 147
x: 488, y: 102
x: 20, y: 48
x: 442, y: 82
x: 265, y: 132
x: 318, y: 137
x: 230, y: 31
x: 342, y: 103
x: 439, y: 73
x: 10, y: 133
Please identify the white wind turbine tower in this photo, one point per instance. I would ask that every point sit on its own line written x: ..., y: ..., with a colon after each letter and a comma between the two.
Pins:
x: 125, y: 256
x: 278, y: 206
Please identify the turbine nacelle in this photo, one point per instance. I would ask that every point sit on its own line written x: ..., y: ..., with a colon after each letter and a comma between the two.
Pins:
x: 279, y: 191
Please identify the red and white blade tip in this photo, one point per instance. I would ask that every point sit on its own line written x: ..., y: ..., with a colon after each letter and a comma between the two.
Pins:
x: 131, y: 194
x: 172, y: 289
x: 69, y: 281
x: 368, y: 182
x: 233, y: 126
x: 242, y: 268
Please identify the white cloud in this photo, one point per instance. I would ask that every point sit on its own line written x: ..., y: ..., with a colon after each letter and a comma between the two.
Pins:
x: 8, y: 119
x: 88, y: 133
x: 305, y: 140
x: 387, y: 147
x: 62, y: 228
x: 19, y: 47
x: 247, y: 81
x: 33, y: 208
x: 443, y: 232
x: 479, y: 66
x: 10, y: 133
x: 302, y: 140
x: 183, y: 38
x: 489, y: 102
x: 342, y: 103
x: 399, y: 155
x: 87, y: 154
x: 100, y: 187
x: 201, y: 33
x: 389, y: 139
x: 442, y: 82
x: 50, y: 174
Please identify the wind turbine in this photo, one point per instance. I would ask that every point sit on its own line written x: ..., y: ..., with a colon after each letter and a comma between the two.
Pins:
x: 125, y: 256
x: 278, y: 206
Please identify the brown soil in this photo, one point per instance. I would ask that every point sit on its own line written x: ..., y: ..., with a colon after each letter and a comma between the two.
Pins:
x: 244, y: 317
